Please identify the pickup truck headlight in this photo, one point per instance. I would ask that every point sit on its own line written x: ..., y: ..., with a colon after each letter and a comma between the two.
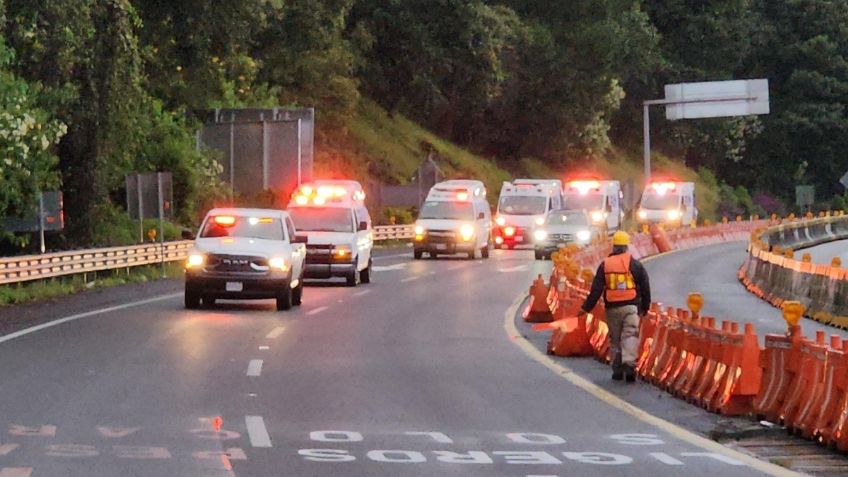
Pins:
x: 195, y: 260
x: 341, y: 252
x: 584, y: 235
x: 466, y: 232
x: 279, y: 263
x: 540, y: 235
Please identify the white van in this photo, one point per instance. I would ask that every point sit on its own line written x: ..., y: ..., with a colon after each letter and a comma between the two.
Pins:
x: 601, y: 199
x: 522, y: 206
x: 669, y: 203
x: 455, y: 218
x: 332, y: 214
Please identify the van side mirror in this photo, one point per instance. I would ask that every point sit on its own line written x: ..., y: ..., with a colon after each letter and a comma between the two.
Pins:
x: 300, y: 239
x: 362, y: 226
x: 481, y: 216
x: 187, y: 234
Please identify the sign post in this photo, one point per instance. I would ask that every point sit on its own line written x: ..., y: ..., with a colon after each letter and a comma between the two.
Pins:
x: 712, y: 99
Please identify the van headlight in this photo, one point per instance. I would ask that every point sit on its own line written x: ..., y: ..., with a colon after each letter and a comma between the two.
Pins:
x: 278, y: 263
x: 540, y: 235
x: 419, y: 230
x: 643, y: 214
x: 195, y: 260
x: 673, y: 214
x: 466, y: 232
x: 597, y: 216
x: 540, y: 221
x: 584, y: 235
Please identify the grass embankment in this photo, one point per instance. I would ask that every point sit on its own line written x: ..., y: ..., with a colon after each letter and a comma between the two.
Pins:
x: 51, y: 288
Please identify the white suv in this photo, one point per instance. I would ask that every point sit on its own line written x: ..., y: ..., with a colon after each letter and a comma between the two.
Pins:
x: 246, y: 254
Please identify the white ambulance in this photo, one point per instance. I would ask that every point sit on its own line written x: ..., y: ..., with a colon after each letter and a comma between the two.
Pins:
x: 669, y: 203
x: 601, y: 199
x: 332, y: 214
x: 455, y: 218
x: 522, y: 206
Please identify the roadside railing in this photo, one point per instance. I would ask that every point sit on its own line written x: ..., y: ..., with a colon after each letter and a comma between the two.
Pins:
x: 36, y: 267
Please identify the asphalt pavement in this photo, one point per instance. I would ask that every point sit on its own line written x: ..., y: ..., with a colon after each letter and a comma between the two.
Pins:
x: 413, y: 374
x: 824, y: 253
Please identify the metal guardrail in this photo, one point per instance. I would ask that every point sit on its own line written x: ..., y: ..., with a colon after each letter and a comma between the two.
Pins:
x: 35, y: 267
x: 394, y: 232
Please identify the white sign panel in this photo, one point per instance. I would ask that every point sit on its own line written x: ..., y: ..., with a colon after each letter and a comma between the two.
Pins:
x: 717, y: 99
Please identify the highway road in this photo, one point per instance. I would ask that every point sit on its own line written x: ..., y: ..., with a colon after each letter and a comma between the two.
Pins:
x: 414, y: 374
x: 712, y: 271
x: 824, y: 253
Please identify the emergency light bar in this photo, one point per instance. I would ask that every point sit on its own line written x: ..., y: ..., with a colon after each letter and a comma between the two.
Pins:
x: 320, y: 194
x: 662, y: 187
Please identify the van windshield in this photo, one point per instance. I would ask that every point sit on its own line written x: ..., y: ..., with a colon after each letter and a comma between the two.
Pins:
x: 264, y: 228
x: 584, y: 201
x: 660, y: 202
x: 447, y: 210
x: 322, y: 219
x: 522, y: 205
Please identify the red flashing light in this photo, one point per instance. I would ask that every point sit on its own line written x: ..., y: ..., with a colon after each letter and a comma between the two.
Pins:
x: 662, y: 187
x: 225, y: 220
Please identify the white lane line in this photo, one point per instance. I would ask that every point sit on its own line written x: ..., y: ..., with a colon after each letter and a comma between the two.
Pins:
x: 616, y: 402
x: 386, y: 257
x: 315, y: 311
x: 264, y: 348
x: 513, y: 269
x: 363, y: 292
x: 15, y: 471
x: 87, y: 314
x: 388, y: 268
x: 254, y: 367
x: 409, y: 279
x: 276, y: 332
x: 257, y: 432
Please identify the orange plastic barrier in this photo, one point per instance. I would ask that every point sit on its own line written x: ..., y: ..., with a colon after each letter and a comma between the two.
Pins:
x: 780, y: 361
x: 538, y: 311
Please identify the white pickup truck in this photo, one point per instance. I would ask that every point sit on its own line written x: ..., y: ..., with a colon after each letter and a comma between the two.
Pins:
x: 246, y: 254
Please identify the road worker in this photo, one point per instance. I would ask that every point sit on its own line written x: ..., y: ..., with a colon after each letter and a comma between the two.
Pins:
x: 623, y: 282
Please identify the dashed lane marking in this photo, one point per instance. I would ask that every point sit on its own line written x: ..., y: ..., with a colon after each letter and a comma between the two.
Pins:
x: 276, y: 332
x: 257, y: 432
x: 87, y: 314
x: 254, y: 367
x: 264, y: 348
x: 15, y: 471
x: 409, y: 279
x: 388, y: 268
x: 614, y: 401
x: 315, y: 311
x: 518, y: 268
x: 363, y: 292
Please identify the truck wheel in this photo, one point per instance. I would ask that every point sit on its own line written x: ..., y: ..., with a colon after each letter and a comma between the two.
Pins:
x: 484, y: 252
x: 417, y: 254
x: 192, y: 300
x: 297, y: 294
x: 284, y: 299
x: 539, y: 255
x: 472, y: 255
x: 352, y: 277
x: 365, y: 275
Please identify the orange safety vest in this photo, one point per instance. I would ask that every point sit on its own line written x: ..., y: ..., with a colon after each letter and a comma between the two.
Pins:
x: 620, y: 284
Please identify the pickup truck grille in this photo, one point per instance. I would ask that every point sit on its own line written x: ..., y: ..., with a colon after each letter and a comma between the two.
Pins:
x: 236, y: 263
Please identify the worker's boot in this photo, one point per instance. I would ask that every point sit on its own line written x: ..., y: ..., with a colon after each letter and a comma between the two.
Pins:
x: 629, y: 374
